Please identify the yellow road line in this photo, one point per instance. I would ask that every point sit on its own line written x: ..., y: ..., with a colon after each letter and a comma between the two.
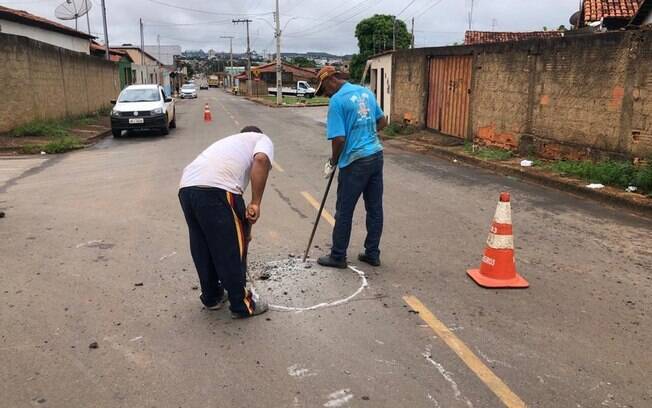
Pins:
x: 476, y: 365
x: 324, y: 214
x: 278, y: 167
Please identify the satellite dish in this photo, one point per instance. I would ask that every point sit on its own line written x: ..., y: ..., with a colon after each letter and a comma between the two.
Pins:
x: 73, y: 9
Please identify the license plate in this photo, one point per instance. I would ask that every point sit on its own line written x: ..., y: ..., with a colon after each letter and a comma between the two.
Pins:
x: 136, y: 120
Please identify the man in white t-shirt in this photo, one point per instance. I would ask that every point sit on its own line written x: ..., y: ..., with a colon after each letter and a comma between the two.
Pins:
x: 219, y: 225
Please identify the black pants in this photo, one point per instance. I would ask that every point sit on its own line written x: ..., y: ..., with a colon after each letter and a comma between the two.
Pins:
x: 218, y: 242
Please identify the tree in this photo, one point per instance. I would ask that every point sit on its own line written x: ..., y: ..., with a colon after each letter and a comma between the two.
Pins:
x: 303, y: 62
x: 562, y: 28
x: 375, y: 34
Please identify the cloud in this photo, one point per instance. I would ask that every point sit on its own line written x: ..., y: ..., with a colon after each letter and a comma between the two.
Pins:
x: 308, y: 25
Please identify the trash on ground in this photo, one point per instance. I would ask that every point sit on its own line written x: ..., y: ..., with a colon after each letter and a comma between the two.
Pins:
x: 93, y: 345
x: 138, y: 284
x: 526, y: 163
x: 2, y: 214
x: 595, y: 186
x: 629, y: 189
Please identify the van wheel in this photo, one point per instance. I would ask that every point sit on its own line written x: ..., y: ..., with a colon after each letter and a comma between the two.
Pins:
x: 116, y: 132
x: 173, y: 124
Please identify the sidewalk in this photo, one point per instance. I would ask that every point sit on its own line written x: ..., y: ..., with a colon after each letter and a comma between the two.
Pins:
x: 451, y: 149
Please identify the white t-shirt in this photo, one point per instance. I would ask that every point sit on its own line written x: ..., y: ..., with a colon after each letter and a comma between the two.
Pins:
x: 226, y: 164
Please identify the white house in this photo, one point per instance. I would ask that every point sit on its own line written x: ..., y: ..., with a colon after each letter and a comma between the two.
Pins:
x: 379, y: 68
x: 19, y: 22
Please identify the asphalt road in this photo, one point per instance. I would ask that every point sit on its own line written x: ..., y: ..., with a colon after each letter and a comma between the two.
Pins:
x: 94, y: 249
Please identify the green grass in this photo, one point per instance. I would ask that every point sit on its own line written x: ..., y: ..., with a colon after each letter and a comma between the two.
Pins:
x: 488, y: 153
x: 56, y: 145
x: 395, y: 129
x: 41, y: 128
x: 57, y: 133
x: 610, y: 172
x: 293, y: 100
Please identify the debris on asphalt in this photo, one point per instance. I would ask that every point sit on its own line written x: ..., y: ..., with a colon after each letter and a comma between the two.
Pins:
x: 136, y: 338
x: 138, y: 284
x: 413, y: 311
x: 365, y: 398
x: 526, y: 163
x: 595, y: 186
x: 93, y: 345
x: 2, y: 214
x: 195, y: 287
x: 308, y: 266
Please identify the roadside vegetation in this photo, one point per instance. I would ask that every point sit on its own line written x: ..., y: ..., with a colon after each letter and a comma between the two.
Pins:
x: 53, y: 136
x: 293, y: 100
x: 613, y: 173
x: 488, y: 153
x: 395, y: 129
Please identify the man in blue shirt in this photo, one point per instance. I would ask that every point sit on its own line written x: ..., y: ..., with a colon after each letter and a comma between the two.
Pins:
x: 354, y: 119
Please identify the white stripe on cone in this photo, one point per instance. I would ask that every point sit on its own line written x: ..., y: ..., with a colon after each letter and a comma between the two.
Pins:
x: 503, y: 213
x: 500, y: 241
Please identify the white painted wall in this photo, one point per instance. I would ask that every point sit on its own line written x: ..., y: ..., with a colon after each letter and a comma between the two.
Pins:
x: 383, y: 62
x: 50, y: 37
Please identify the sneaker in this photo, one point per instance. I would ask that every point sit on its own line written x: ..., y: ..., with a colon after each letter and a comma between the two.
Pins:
x: 215, y: 306
x: 367, y: 259
x: 332, y: 262
x: 258, y: 307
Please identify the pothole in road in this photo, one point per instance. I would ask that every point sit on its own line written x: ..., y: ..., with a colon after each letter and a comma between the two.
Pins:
x: 291, y: 285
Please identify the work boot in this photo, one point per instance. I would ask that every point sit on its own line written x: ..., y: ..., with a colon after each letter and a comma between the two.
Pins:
x: 255, y: 306
x: 362, y: 257
x: 331, y: 262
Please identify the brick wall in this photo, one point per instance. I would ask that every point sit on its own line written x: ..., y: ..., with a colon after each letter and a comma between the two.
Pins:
x: 576, y: 97
x: 41, y: 81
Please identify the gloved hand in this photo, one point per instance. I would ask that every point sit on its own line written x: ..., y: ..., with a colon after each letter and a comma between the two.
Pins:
x: 329, y: 168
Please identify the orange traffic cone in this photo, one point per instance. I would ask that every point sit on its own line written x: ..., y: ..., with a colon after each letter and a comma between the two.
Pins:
x: 207, y: 114
x: 498, y: 267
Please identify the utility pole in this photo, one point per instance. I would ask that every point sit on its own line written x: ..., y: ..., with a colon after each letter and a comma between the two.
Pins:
x: 142, y: 52
x: 412, y: 32
x: 394, y: 34
x: 494, y: 22
x: 279, y: 65
x: 160, y: 69
x: 471, y: 15
x: 249, y: 85
x: 231, y: 48
x: 106, y: 34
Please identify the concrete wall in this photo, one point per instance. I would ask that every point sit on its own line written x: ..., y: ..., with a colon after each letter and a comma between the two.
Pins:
x: 62, y: 40
x: 40, y: 81
x: 576, y: 97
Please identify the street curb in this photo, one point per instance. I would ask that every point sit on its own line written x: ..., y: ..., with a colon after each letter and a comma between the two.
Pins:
x: 273, y: 105
x: 92, y: 140
x: 608, y: 195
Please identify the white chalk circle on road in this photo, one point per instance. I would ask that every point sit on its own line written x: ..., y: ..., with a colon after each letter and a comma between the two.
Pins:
x: 294, y: 265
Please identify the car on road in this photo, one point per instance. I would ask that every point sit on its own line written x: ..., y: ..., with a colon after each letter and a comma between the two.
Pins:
x: 143, y: 107
x: 188, y: 91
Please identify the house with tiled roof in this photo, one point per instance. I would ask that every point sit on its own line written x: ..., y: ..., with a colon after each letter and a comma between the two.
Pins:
x: 487, y: 37
x: 608, y: 14
x: 643, y: 16
x: 20, y: 22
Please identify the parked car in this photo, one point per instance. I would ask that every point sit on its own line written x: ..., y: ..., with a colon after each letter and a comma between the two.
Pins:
x: 203, y: 84
x: 188, y: 91
x: 143, y: 107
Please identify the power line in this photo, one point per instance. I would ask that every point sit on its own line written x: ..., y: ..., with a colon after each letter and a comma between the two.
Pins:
x: 425, y: 10
x: 203, y: 11
x: 406, y: 7
x: 326, y: 23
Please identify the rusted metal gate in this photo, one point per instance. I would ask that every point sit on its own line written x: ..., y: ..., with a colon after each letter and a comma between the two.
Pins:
x: 448, y: 97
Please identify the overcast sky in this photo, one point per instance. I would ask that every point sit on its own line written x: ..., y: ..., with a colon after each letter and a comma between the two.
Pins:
x: 310, y: 25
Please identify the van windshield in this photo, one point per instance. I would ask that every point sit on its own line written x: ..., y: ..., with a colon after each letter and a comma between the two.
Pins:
x: 139, y: 95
